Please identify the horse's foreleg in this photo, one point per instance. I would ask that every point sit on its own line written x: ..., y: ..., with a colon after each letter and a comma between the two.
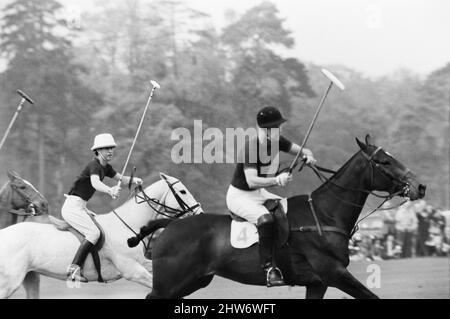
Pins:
x: 5, y: 288
x: 10, y: 282
x: 148, y: 265
x: 133, y: 271
x: 350, y: 285
x: 316, y: 290
x: 31, y: 285
x: 139, y: 274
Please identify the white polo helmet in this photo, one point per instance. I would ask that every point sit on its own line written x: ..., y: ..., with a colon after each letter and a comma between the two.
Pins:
x: 103, y: 140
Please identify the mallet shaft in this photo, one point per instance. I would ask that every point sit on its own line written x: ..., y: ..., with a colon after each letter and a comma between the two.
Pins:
x: 137, y: 133
x: 310, y: 127
x: 19, y: 108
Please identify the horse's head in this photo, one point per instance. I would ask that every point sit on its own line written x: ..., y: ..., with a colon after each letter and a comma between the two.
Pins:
x: 179, y: 201
x: 174, y: 201
x: 388, y: 174
x: 25, y: 196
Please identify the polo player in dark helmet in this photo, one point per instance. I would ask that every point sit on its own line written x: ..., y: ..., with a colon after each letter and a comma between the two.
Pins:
x: 247, y: 193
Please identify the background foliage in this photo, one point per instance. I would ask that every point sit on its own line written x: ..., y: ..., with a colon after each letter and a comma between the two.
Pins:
x: 94, y: 78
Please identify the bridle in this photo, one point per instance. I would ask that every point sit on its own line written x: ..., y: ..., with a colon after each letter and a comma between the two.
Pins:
x: 375, y: 167
x: 167, y: 211
x: 30, y: 210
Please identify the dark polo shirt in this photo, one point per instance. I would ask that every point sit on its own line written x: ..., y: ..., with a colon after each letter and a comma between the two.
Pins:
x: 245, y: 160
x: 83, y: 187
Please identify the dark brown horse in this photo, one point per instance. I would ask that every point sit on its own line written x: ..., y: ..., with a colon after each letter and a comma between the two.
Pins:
x: 191, y: 251
x: 19, y: 201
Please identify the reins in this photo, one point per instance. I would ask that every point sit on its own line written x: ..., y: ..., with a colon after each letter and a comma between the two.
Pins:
x: 177, y: 212
x: 128, y: 226
x: 325, y: 180
x: 144, y: 198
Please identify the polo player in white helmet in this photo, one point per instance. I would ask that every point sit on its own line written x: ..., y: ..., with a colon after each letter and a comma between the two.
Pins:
x: 74, y: 209
x: 246, y: 194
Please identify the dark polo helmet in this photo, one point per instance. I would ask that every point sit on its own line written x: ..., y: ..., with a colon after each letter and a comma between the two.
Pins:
x: 269, y: 117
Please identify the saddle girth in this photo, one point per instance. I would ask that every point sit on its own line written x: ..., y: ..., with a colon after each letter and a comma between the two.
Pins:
x: 318, y: 228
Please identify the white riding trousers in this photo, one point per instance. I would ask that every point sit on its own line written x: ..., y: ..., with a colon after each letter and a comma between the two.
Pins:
x: 248, y: 204
x: 75, y: 212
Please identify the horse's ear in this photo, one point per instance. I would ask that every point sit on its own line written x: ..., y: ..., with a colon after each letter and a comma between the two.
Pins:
x: 361, y: 144
x: 369, y: 140
x: 163, y: 176
x: 13, y: 175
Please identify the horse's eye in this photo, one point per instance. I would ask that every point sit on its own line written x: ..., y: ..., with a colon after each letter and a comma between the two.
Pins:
x: 183, y: 192
x: 22, y: 187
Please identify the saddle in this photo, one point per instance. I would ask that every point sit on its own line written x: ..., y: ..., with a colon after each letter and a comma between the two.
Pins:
x: 64, y: 226
x: 244, y: 234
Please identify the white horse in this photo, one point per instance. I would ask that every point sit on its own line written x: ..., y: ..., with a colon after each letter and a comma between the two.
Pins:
x: 31, y: 248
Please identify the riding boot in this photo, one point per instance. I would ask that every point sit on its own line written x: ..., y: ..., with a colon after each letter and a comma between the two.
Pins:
x: 266, y: 246
x: 75, y: 270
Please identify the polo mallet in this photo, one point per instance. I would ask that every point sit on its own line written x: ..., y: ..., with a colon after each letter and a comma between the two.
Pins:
x: 19, y: 108
x: 333, y: 80
x: 155, y: 86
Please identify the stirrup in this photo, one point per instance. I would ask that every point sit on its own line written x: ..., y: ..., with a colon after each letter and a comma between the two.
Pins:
x: 273, y: 282
x: 72, y: 273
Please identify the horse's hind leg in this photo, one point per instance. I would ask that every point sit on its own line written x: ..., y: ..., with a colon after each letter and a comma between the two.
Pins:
x: 197, y: 284
x: 315, y: 290
x: 350, y: 285
x: 180, y: 289
x: 31, y: 285
x: 152, y: 296
x: 133, y: 271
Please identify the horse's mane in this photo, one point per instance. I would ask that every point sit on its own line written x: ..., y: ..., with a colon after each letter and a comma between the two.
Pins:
x: 339, y: 172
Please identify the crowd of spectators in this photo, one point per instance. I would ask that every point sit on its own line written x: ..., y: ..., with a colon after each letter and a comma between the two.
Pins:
x: 415, y: 229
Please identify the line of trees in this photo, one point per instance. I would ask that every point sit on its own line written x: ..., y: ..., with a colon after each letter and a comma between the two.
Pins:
x: 95, y: 79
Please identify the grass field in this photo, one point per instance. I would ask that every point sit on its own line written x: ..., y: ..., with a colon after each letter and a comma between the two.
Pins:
x: 406, y: 278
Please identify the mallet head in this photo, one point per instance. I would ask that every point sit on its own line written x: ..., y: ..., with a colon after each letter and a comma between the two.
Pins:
x: 333, y: 79
x: 155, y: 84
x: 26, y: 97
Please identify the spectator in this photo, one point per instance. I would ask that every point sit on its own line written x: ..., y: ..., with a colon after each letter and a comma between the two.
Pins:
x: 392, y: 249
x: 354, y: 248
x: 378, y: 249
x: 446, y: 215
x: 367, y: 248
x: 435, y: 242
x: 406, y: 226
x: 388, y: 216
x: 423, y: 223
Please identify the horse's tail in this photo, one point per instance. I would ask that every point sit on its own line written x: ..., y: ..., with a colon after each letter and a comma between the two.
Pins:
x: 151, y: 227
